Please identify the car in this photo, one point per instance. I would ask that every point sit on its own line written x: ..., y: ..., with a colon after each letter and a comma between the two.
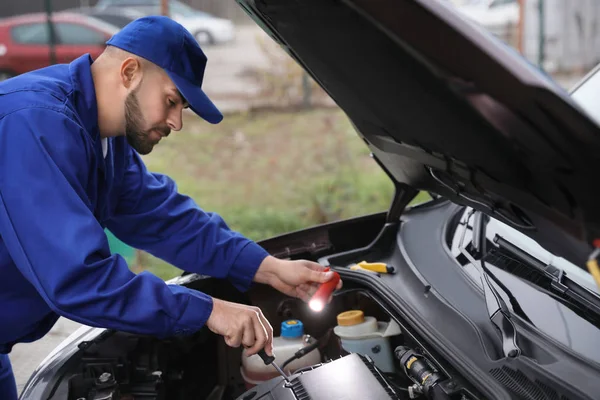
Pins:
x: 116, y: 16
x: 205, y: 27
x: 24, y: 40
x: 490, y: 290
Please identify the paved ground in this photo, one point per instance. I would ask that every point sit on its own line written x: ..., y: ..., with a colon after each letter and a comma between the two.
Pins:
x: 26, y: 357
x: 222, y: 82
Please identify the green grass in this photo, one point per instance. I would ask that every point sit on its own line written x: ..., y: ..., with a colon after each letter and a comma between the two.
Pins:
x: 272, y: 172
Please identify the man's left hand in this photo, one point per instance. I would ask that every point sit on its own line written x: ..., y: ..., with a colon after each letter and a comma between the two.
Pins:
x: 298, y: 278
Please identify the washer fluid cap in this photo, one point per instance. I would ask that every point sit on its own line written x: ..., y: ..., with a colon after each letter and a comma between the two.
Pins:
x: 292, y: 328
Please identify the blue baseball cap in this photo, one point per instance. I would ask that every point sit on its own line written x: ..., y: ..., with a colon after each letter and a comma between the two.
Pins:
x: 169, y: 45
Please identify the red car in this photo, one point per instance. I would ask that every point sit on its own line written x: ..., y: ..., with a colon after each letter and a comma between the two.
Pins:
x: 24, y: 40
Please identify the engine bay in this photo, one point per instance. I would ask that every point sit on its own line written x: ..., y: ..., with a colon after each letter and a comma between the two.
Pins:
x: 420, y: 330
x: 354, y: 348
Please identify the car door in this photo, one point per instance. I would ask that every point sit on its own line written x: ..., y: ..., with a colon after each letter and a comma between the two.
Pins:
x: 76, y: 39
x: 29, y: 50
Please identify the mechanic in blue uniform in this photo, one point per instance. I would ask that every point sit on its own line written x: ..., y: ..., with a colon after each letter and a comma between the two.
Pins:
x: 70, y: 143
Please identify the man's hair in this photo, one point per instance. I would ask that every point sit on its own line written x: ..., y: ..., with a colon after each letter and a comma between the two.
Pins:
x: 116, y: 54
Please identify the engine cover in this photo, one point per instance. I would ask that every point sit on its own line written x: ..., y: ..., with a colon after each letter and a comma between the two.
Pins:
x: 349, y: 377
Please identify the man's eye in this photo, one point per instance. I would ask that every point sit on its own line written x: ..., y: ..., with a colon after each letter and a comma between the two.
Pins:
x: 171, y: 103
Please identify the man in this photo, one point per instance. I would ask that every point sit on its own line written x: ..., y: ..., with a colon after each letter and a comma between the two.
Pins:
x: 70, y: 139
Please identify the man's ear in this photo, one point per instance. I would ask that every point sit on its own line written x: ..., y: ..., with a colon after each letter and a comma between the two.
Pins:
x: 131, y: 72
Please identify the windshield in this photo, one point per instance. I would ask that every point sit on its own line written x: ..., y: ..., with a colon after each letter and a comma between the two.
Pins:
x: 564, y: 307
x: 530, y: 246
x: 102, y: 25
x: 184, y: 9
x: 524, y: 242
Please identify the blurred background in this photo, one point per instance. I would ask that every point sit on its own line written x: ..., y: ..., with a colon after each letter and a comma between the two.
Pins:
x: 285, y: 157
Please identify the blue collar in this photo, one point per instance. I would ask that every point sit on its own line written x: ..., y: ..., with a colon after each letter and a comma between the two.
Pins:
x: 84, y: 94
x: 84, y: 101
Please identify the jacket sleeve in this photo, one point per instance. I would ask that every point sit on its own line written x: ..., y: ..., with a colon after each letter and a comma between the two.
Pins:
x: 151, y: 215
x: 49, y: 230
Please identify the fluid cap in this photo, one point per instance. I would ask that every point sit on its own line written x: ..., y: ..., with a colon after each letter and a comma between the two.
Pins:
x: 350, y: 318
x: 292, y: 328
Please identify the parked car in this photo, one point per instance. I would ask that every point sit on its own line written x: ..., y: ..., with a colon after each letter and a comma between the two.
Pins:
x: 205, y: 27
x: 487, y: 282
x: 116, y: 16
x: 25, y: 40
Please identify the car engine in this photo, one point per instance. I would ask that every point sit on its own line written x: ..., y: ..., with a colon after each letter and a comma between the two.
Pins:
x: 352, y: 377
x: 388, y: 363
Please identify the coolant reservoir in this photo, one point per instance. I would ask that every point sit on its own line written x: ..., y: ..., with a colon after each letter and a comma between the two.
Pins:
x: 365, y: 335
x: 292, y: 339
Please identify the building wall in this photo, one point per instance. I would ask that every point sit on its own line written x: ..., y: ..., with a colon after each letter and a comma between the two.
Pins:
x: 571, y: 34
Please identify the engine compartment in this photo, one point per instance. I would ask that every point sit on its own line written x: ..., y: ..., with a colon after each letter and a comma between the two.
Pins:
x: 201, y: 366
x: 352, y: 376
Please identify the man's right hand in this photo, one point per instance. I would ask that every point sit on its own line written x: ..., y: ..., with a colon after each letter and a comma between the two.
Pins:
x: 241, y: 324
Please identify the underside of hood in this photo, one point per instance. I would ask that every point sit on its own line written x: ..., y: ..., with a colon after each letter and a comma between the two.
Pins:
x: 448, y: 108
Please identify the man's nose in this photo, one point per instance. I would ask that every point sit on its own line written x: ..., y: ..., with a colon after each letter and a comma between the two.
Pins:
x: 175, y: 121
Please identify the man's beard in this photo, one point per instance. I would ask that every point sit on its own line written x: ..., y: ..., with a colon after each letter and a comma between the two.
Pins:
x: 137, y: 137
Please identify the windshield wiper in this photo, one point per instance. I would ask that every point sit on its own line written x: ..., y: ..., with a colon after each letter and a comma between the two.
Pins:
x: 554, y: 281
x: 498, y: 311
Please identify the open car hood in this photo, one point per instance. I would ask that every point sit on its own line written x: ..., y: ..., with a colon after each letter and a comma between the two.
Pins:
x: 446, y: 107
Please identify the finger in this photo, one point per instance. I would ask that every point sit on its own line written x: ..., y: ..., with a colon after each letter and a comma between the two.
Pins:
x: 339, y: 285
x: 305, y: 287
x: 268, y: 330
x: 319, y: 276
x: 249, y: 337
x: 311, y: 265
x: 312, y: 289
x: 303, y: 295
x: 234, y: 339
x: 287, y: 289
x: 259, y: 334
x: 309, y: 290
x: 235, y: 335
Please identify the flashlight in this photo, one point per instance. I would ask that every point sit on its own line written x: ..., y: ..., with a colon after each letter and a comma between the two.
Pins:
x: 319, y: 299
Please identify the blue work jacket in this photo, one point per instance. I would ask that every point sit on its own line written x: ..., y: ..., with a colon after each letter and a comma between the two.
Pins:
x: 58, y: 193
